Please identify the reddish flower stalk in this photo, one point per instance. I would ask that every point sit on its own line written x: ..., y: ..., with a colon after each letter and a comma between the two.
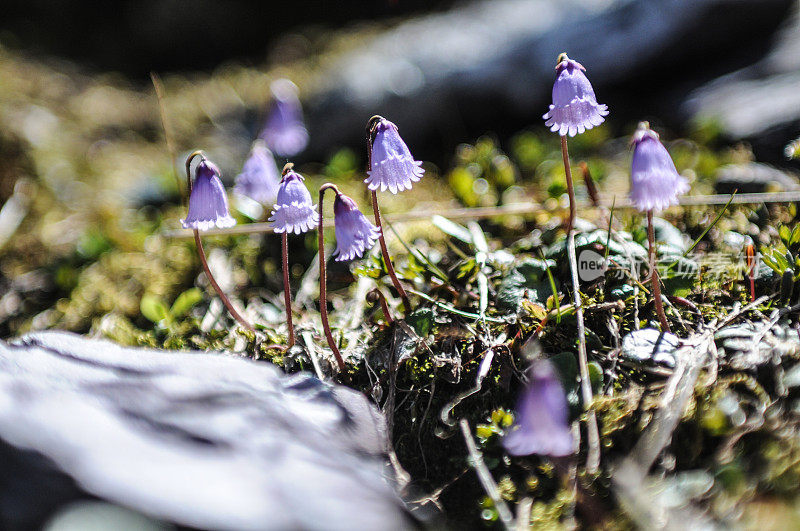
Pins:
x: 202, y: 254
x: 287, y: 288
x: 651, y: 240
x: 292, y: 212
x: 371, y: 132
x: 377, y: 295
x: 386, y: 258
x: 573, y: 207
x: 323, y: 295
x: 750, y: 253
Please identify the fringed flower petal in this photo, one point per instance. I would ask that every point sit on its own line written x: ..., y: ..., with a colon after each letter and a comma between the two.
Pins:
x: 655, y: 183
x: 354, y: 233
x: 208, y: 204
x: 294, y: 211
x: 392, y: 166
x: 575, y: 108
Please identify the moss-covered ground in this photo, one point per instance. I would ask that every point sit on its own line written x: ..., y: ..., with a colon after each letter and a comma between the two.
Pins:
x: 90, y: 245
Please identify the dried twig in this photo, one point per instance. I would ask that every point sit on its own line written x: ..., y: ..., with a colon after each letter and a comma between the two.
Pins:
x: 312, y: 353
x: 485, y: 477
x: 162, y: 110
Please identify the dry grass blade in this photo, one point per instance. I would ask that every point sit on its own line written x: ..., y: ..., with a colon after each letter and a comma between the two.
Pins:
x: 485, y: 477
x: 593, y: 436
x: 312, y: 353
x: 158, y: 85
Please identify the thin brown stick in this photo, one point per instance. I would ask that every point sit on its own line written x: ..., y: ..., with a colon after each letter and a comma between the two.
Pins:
x: 202, y: 253
x: 162, y: 110
x: 750, y: 253
x: 591, y: 188
x: 651, y: 240
x: 287, y: 288
x: 323, y: 293
x: 593, y: 436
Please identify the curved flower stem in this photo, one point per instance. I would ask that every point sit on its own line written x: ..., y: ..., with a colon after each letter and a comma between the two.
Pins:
x: 593, y: 436
x: 287, y: 288
x: 386, y: 258
x: 323, y: 294
x: 573, y: 205
x: 651, y: 240
x: 202, y: 254
x: 377, y: 294
x: 371, y: 124
x: 197, y: 153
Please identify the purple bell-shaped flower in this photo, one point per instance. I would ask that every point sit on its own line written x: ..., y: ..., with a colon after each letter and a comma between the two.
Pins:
x: 293, y: 212
x: 260, y: 177
x: 392, y: 166
x: 655, y: 183
x: 541, y: 425
x: 354, y: 233
x: 575, y: 108
x: 208, y: 204
x: 284, y: 130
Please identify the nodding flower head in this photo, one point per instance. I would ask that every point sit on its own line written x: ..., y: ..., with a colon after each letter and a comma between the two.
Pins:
x: 208, y: 204
x: 294, y: 211
x: 354, y: 233
x: 284, y: 130
x: 575, y: 108
x: 655, y: 183
x: 260, y: 177
x: 392, y: 167
x: 541, y: 425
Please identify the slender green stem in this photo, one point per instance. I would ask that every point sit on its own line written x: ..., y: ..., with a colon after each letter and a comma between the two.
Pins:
x: 593, y: 454
x: 287, y: 288
x: 651, y: 240
x: 323, y: 293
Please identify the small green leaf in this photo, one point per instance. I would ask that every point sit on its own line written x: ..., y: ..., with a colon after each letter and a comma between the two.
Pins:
x: 595, y: 376
x: 784, y: 233
x: 153, y: 308
x: 794, y: 239
x: 185, y: 302
x: 421, y: 320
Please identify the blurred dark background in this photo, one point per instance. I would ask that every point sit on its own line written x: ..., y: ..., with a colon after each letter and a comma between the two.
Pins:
x: 447, y: 71
x: 137, y: 36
